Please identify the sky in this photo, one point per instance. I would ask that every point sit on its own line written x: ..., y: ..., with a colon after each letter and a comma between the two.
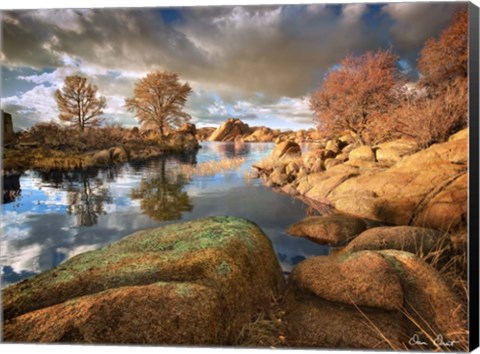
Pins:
x: 256, y: 63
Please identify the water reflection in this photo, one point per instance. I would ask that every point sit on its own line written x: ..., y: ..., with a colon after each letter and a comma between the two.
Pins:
x: 87, y: 191
x: 86, y: 200
x: 162, y: 196
x: 229, y: 150
x: 11, y: 188
x: 61, y: 214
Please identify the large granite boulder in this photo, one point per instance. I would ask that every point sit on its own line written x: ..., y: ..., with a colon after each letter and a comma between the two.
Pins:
x: 261, y: 135
x: 229, y: 130
x: 428, y: 189
x: 204, y: 133
x: 418, y: 240
x: 286, y: 148
x: 334, y: 230
x: 391, y: 152
x: 336, y: 302
x: 195, y: 282
x: 370, y: 299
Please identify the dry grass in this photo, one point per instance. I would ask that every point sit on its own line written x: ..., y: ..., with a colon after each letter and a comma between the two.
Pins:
x: 210, y: 168
x: 267, y: 329
x: 452, y: 264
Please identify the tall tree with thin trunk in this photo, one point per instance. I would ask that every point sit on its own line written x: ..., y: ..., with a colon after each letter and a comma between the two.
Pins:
x: 79, y: 104
x: 358, y: 92
x: 159, y: 99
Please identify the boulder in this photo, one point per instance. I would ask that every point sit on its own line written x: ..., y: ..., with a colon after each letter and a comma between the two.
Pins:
x: 361, y: 154
x: 333, y: 146
x: 450, y: 200
x: 461, y: 135
x: 312, y: 156
x: 181, y: 141
x: 328, y: 163
x: 286, y: 148
x: 278, y: 177
x: 361, y: 278
x: 329, y: 300
x: 292, y: 168
x: 196, y: 282
x: 229, y: 130
x: 391, y: 152
x: 322, y: 184
x: 419, y: 189
x: 431, y: 306
x: 260, y: 134
x: 371, y: 299
x: 417, y: 240
x: 331, y: 230
x: 204, y: 133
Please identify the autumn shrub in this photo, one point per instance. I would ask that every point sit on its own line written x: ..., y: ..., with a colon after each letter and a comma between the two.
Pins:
x: 52, y: 135
x: 431, y: 120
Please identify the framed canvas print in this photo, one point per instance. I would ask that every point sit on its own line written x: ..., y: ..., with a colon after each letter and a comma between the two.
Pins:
x: 241, y: 176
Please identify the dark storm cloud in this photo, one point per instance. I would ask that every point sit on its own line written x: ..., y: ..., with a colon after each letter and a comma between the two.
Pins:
x: 244, y: 61
x: 279, y: 50
x: 414, y: 23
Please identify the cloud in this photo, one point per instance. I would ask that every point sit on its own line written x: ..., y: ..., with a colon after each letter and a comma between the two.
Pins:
x: 270, y: 49
x: 413, y: 23
x: 231, y: 55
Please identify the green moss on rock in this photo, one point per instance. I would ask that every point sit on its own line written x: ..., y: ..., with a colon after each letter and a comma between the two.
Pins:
x: 230, y: 256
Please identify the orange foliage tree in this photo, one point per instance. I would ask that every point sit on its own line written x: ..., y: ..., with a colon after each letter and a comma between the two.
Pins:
x: 357, y: 95
x: 159, y: 99
x: 78, y: 103
x: 442, y: 107
x: 445, y: 60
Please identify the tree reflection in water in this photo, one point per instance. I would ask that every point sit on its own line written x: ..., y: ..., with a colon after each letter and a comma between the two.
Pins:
x: 11, y: 188
x: 86, y: 192
x: 161, y: 196
x: 86, y: 200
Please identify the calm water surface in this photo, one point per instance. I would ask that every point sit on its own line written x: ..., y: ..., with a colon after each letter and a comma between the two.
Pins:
x: 61, y: 214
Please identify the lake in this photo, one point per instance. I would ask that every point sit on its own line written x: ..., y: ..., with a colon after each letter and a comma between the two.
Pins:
x: 58, y: 215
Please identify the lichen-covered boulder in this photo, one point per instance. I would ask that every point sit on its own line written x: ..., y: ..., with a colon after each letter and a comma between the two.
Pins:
x: 417, y: 240
x: 331, y: 230
x: 340, y: 302
x: 372, y: 299
x: 431, y: 306
x: 195, y: 282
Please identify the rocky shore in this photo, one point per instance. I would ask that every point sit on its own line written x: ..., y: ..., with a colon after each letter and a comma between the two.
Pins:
x: 394, y: 279
x: 217, y: 281
x: 396, y: 182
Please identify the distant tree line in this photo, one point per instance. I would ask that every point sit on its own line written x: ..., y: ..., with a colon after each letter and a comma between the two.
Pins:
x: 369, y: 96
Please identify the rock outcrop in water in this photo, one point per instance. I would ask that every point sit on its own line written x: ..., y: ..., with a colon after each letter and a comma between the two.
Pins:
x: 230, y: 130
x: 194, y: 283
x: 234, y: 130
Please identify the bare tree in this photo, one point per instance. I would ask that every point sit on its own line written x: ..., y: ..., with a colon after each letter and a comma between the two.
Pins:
x: 78, y: 102
x: 159, y: 99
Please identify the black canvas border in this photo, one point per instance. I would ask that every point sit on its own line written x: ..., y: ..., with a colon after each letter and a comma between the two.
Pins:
x: 473, y: 177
